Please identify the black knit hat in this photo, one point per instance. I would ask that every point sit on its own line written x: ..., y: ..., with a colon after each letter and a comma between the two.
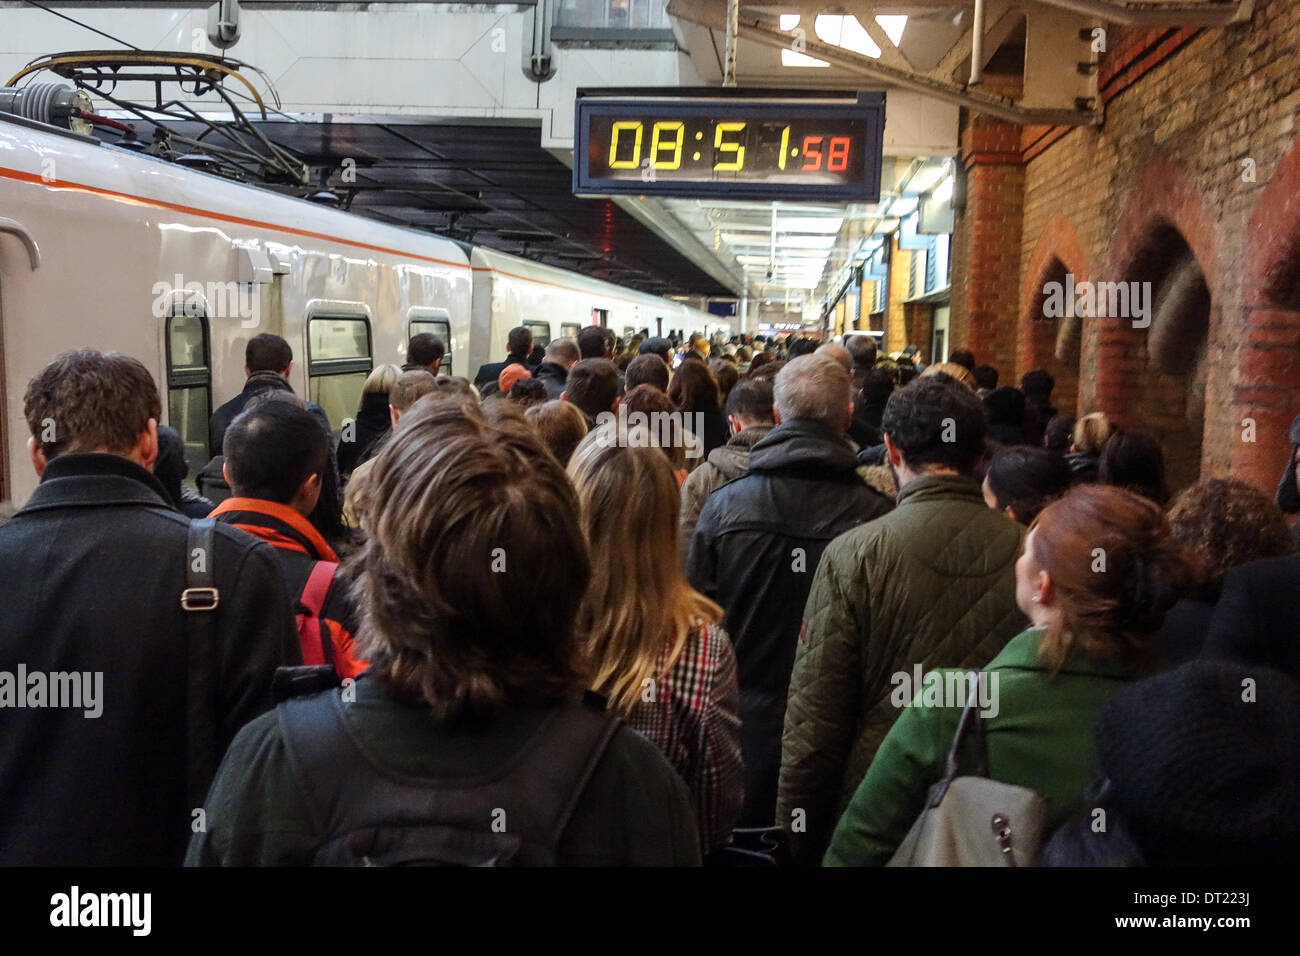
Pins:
x: 1201, y: 775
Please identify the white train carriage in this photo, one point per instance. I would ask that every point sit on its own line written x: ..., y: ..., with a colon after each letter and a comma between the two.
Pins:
x: 553, y: 303
x: 103, y: 248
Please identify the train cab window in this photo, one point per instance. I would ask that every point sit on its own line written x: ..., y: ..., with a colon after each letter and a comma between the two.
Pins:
x: 541, y: 333
x: 570, y: 330
x: 338, y: 361
x: 189, y: 385
x: 442, y: 329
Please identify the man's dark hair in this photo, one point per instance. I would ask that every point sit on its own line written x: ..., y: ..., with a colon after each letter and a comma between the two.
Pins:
x: 519, y: 342
x: 1134, y: 460
x: 986, y: 376
x: 658, y: 345
x: 936, y: 421
x: 1037, y: 383
x: 87, y: 400
x: 648, y: 369
x: 592, y: 385
x: 267, y: 353
x: 963, y: 357
x: 751, y: 399
x: 527, y: 391
x: 591, y: 342
x: 801, y: 346
x: 1059, y: 434
x: 273, y: 446
x: 863, y: 349
x: 424, y: 349
x: 877, y: 386
x: 1027, y: 479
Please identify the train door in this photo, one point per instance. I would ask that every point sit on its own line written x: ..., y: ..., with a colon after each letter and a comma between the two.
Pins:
x: 6, y: 493
x: 340, y: 354
x: 189, y: 381
x: 32, y: 259
x: 435, y: 322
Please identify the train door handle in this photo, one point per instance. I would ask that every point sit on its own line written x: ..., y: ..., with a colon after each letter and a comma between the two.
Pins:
x: 15, y: 228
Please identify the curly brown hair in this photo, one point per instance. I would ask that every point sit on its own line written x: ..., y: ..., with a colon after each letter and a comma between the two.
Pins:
x: 1220, y: 523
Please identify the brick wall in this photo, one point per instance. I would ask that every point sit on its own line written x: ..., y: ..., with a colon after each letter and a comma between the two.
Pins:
x: 1183, y: 110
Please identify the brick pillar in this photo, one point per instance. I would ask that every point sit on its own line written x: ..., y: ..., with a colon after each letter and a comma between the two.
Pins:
x: 900, y: 265
x: 919, y: 321
x: 1270, y: 369
x: 986, y: 246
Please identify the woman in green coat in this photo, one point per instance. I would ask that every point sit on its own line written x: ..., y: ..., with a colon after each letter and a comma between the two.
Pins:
x: 1097, y: 574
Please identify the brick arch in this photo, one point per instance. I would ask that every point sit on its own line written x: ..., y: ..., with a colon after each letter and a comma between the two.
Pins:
x: 1163, y: 202
x: 1037, y: 341
x: 1268, y: 363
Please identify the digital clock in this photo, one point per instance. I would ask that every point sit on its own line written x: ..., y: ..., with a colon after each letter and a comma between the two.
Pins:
x: 750, y: 145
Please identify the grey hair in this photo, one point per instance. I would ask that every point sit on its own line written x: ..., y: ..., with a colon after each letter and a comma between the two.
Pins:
x: 837, y: 352
x: 813, y: 386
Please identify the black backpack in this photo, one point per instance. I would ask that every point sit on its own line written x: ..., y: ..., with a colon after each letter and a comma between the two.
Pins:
x: 373, y: 817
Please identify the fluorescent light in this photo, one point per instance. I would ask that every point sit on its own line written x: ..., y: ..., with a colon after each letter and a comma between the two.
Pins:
x: 816, y: 224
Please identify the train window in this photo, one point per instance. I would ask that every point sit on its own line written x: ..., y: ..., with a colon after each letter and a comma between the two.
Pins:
x: 600, y: 317
x: 442, y: 329
x: 570, y: 330
x: 189, y: 385
x: 541, y: 333
x: 338, y: 361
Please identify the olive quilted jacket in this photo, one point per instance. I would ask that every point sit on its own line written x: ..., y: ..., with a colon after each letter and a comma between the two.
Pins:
x: 930, y: 583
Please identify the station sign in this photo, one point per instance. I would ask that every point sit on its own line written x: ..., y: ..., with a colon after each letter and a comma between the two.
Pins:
x: 729, y: 144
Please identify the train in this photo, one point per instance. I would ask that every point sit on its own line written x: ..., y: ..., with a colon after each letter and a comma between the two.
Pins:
x: 106, y: 248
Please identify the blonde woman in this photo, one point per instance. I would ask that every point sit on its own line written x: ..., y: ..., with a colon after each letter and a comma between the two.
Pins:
x: 372, y: 424
x: 1091, y: 432
x: 654, y: 647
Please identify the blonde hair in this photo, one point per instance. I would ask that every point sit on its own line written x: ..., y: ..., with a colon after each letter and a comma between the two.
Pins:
x: 639, y: 609
x: 380, y: 380
x: 960, y: 372
x: 1091, y: 432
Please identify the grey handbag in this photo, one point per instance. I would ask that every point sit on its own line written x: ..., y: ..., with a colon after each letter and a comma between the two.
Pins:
x: 970, y: 820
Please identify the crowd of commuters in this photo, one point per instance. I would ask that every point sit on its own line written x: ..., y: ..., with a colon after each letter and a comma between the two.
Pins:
x: 630, y: 602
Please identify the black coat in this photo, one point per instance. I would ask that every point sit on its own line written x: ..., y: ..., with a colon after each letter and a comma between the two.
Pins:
x: 754, y: 551
x: 102, y: 563
x: 554, y: 376
x: 492, y: 371
x: 372, y: 426
x: 1258, y: 617
x: 715, y: 432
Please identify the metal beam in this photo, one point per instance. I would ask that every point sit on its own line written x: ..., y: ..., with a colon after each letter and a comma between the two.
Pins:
x: 767, y: 32
x: 1144, y: 13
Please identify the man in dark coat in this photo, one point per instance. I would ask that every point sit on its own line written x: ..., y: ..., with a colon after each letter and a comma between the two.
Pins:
x: 424, y: 351
x: 519, y: 343
x: 95, y: 774
x: 757, y: 544
x: 267, y: 362
x: 561, y: 355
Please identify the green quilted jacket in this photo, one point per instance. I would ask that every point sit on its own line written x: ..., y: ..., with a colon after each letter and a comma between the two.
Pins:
x: 931, y: 583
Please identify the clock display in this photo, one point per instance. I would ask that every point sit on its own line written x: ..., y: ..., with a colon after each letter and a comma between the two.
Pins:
x: 730, y: 148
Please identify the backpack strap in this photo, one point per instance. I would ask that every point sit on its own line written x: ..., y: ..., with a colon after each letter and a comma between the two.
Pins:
x: 312, y: 599
x: 200, y: 600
